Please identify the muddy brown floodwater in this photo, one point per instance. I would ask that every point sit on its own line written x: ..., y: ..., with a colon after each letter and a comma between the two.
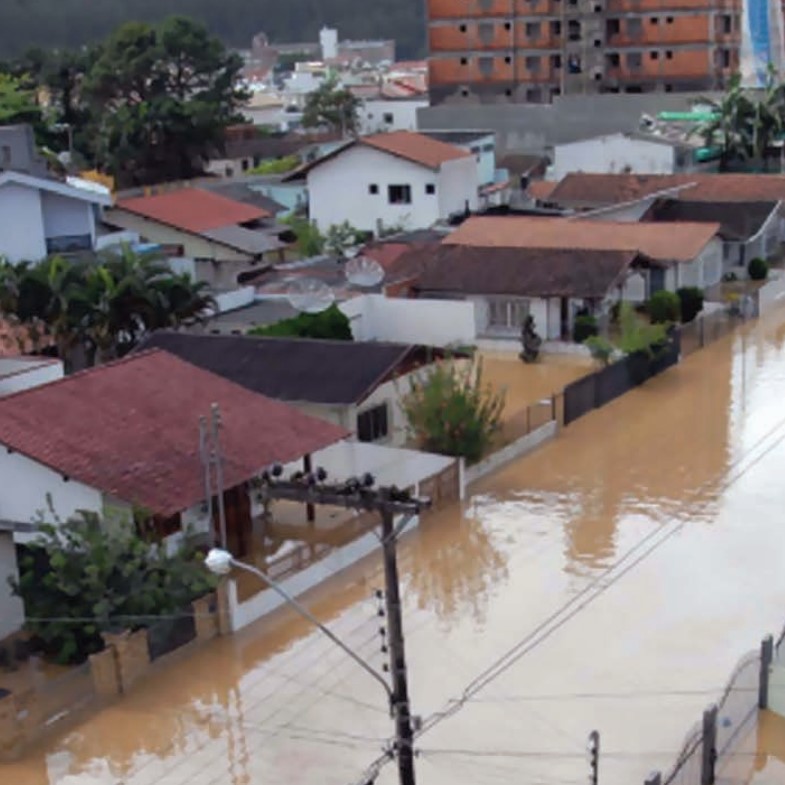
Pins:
x: 625, y: 567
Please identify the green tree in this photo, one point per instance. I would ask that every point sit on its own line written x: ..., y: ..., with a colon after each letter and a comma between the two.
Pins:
x: 332, y: 106
x: 276, y: 165
x: 638, y: 337
x: 86, y: 576
x: 310, y: 241
x: 164, y: 96
x: 664, y: 307
x: 17, y: 103
x: 341, y: 236
x: 330, y: 324
x: 452, y: 412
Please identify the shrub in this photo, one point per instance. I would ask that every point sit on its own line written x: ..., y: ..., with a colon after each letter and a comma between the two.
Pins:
x: 276, y: 165
x: 601, y: 348
x: 331, y: 324
x: 638, y: 337
x: 664, y: 307
x: 691, y: 299
x: 584, y: 327
x: 450, y: 411
x: 758, y: 269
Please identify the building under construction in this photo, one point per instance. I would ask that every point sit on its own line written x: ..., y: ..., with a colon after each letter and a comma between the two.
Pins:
x: 496, y: 51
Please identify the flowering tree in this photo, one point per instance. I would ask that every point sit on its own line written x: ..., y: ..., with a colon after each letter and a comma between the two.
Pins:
x: 450, y: 411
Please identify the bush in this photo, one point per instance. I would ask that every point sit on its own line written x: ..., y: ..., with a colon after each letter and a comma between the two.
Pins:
x: 758, y: 269
x: 601, y: 348
x: 664, y: 307
x: 691, y: 300
x: 331, y: 324
x: 584, y: 327
x: 276, y: 165
x: 638, y: 337
x: 451, y: 412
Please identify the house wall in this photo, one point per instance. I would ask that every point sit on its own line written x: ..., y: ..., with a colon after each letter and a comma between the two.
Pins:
x: 378, y: 115
x: 374, y: 317
x: 12, y: 612
x: 613, y: 154
x: 26, y: 485
x: 458, y: 186
x: 338, y: 190
x: 21, y: 224
x: 546, y: 313
x: 704, y: 271
x: 65, y: 217
x: 22, y: 374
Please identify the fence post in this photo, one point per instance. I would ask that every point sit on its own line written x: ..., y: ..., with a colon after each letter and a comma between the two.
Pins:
x: 709, y: 751
x: 766, y: 658
x: 701, y: 331
x: 528, y: 420
x: 655, y: 778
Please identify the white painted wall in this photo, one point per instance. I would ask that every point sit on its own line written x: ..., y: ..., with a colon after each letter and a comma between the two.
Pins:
x: 25, y: 485
x: 21, y: 224
x: 376, y: 116
x: 338, y: 190
x: 458, y: 186
x: 22, y: 373
x: 64, y: 216
x: 613, y: 154
x: 374, y: 317
x: 12, y: 612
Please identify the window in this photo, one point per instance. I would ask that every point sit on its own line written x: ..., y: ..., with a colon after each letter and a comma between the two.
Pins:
x: 388, y: 118
x: 634, y: 59
x: 462, y: 28
x: 533, y: 29
x: 613, y: 27
x: 399, y: 194
x: 373, y: 189
x: 507, y: 26
x: 486, y: 65
x: 634, y: 27
x: 430, y: 189
x: 613, y: 59
x: 574, y: 30
x: 5, y: 156
x: 488, y: 148
x: 507, y: 314
x: 464, y: 61
x: 669, y: 55
x: 556, y: 28
x: 555, y: 61
x: 597, y: 43
x: 654, y: 20
x: 654, y: 55
x: 533, y: 63
x: 669, y: 20
x: 507, y: 60
x: 372, y: 425
x: 726, y: 23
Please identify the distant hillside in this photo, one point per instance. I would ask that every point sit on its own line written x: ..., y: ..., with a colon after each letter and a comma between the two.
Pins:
x: 70, y: 23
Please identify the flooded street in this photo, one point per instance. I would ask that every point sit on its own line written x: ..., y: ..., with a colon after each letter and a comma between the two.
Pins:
x: 610, y: 580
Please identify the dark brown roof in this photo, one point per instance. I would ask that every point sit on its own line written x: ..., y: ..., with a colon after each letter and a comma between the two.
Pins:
x: 131, y: 429
x: 523, y: 272
x: 295, y: 369
x: 737, y: 220
x: 582, y: 189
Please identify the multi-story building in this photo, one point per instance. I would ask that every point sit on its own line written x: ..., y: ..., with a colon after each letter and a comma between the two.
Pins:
x: 490, y: 51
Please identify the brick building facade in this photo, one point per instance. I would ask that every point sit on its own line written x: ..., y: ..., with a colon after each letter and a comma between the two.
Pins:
x: 495, y: 51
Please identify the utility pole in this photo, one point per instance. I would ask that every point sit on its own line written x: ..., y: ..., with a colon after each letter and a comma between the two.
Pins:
x: 594, y: 757
x: 404, y: 733
x: 212, y: 460
x: 360, y: 494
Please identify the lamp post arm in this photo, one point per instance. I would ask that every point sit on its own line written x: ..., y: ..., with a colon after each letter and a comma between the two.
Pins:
x: 305, y: 613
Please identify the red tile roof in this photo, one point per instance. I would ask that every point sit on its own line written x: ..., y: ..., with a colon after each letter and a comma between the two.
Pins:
x: 131, y: 429
x: 414, y: 147
x: 582, y: 189
x: 192, y: 210
x: 666, y: 242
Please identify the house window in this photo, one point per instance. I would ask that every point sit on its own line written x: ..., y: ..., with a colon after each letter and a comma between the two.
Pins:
x: 373, y: 189
x: 634, y: 59
x: 430, y: 189
x: 533, y: 29
x: 399, y: 194
x: 372, y: 425
x: 388, y: 118
x: 532, y: 63
x: 555, y: 27
x: 464, y: 61
x: 507, y: 314
x: 5, y: 156
x: 655, y: 55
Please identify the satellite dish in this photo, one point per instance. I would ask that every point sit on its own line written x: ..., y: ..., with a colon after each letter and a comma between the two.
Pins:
x: 363, y: 271
x: 310, y: 295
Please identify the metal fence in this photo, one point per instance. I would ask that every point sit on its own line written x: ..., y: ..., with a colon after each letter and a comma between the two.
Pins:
x: 171, y: 633
x: 607, y: 384
x: 528, y: 419
x: 705, y: 330
x: 710, y: 743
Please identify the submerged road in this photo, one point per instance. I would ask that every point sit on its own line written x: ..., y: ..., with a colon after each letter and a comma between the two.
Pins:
x: 611, y: 580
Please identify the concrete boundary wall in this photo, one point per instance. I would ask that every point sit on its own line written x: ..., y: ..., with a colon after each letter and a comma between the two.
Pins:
x: 244, y: 613
x: 517, y: 449
x: 772, y: 294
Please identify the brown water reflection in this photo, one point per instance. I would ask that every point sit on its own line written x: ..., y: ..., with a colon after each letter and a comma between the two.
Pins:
x: 638, y: 656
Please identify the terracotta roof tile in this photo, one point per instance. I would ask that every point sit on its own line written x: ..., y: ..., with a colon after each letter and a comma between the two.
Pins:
x: 192, y: 210
x: 541, y: 189
x: 414, y: 147
x: 581, y: 189
x: 674, y: 242
x: 526, y: 272
x: 131, y: 429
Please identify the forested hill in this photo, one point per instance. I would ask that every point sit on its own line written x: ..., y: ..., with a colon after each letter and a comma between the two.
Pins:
x: 70, y: 23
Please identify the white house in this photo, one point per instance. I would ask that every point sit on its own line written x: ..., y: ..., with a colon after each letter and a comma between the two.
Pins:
x: 396, y: 179
x: 623, y: 153
x: 356, y: 385
x: 481, y: 144
x: 379, y: 115
x: 22, y: 373
x: 124, y: 437
x: 42, y: 216
x: 12, y: 611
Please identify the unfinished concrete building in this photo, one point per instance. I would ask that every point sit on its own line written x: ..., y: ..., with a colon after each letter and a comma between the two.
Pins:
x: 495, y: 51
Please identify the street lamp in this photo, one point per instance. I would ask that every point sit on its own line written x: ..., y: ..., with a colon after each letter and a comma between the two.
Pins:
x: 220, y: 562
